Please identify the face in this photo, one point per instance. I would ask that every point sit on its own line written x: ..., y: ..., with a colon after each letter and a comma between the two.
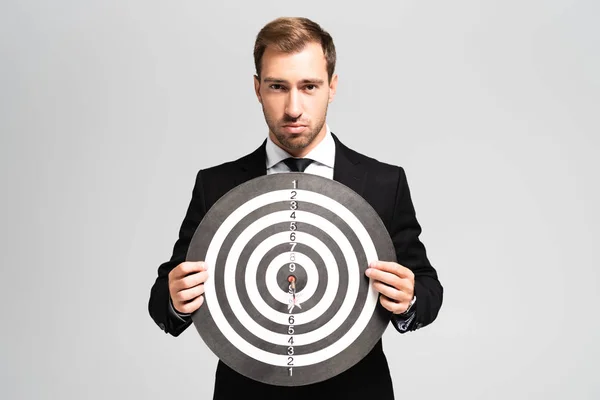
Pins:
x: 294, y: 92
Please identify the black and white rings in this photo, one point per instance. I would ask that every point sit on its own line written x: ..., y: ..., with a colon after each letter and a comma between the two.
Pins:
x: 287, y: 302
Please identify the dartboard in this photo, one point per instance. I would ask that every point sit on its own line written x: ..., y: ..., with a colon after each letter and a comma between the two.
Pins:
x: 287, y: 301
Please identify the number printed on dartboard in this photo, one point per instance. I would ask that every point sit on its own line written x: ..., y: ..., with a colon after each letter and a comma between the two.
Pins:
x: 292, y: 278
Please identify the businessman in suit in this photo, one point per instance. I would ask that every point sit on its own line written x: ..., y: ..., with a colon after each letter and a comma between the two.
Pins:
x: 295, y: 81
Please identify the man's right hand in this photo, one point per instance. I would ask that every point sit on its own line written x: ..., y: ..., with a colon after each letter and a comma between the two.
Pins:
x: 186, y: 286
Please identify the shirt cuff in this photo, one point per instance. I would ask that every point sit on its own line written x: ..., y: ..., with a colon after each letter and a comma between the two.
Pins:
x: 181, y: 316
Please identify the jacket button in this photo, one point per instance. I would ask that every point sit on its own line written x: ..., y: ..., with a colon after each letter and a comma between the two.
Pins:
x: 161, y: 326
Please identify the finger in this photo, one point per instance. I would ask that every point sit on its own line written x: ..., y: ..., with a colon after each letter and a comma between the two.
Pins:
x: 190, y: 281
x: 394, y: 268
x: 187, y: 294
x: 190, y: 307
x: 187, y: 268
x: 390, y: 292
x: 393, y: 306
x: 187, y: 282
x: 385, y: 277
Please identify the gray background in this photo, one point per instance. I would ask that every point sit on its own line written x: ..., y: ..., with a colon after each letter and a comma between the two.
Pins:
x: 108, y: 109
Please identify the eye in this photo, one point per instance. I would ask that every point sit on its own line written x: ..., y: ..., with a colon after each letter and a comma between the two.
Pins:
x: 310, y: 87
x: 276, y: 86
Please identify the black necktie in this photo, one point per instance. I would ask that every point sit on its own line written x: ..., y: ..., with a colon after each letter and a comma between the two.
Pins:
x: 297, y: 164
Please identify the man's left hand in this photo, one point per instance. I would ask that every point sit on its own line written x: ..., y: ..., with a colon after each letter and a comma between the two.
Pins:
x: 394, y: 282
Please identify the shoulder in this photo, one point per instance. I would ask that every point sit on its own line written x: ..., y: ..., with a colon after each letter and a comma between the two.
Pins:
x: 375, y: 164
x: 223, y: 168
x: 376, y: 168
x: 234, y: 166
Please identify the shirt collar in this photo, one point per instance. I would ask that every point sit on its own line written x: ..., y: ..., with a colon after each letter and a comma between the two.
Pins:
x: 323, y: 153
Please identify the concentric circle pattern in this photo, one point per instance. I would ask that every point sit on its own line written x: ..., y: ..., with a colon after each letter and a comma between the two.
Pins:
x: 287, y: 302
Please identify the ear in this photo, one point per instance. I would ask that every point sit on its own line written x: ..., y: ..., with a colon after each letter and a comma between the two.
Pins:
x: 333, y: 87
x: 257, y: 88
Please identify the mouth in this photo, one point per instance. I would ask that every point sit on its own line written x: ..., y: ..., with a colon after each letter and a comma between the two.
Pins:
x: 294, y: 128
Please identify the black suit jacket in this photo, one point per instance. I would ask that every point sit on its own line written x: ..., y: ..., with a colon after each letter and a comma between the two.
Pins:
x: 385, y: 187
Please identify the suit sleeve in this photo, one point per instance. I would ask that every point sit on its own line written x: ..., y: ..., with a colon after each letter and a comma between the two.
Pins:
x: 411, y: 253
x: 159, y: 304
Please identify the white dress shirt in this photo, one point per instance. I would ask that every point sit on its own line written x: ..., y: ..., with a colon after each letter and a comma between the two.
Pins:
x: 323, y: 155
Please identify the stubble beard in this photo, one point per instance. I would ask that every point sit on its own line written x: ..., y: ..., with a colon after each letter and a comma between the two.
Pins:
x: 295, y: 142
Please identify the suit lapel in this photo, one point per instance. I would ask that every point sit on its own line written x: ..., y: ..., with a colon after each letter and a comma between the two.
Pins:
x: 347, y: 168
x: 253, y: 165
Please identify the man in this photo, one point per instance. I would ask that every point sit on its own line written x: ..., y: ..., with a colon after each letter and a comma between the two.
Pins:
x: 294, y: 83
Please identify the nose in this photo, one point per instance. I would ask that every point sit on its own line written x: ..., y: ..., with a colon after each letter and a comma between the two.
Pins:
x: 293, y: 107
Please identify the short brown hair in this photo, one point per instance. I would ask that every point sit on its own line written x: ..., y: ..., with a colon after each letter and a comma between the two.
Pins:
x: 290, y: 35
